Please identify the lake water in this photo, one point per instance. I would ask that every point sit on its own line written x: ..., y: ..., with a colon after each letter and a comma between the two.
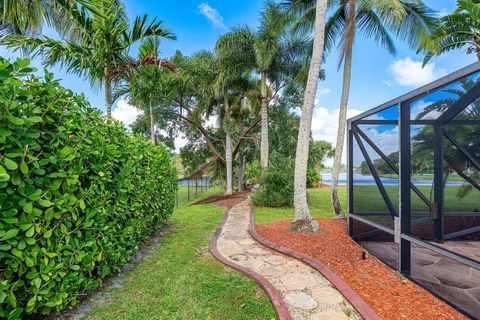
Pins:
x: 360, y: 179
x: 201, y: 181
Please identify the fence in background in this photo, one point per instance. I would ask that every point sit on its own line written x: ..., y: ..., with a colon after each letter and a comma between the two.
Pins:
x: 189, y: 189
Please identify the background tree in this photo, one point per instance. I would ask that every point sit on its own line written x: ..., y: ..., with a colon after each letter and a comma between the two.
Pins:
x: 29, y: 16
x: 101, y: 53
x: 275, y: 56
x: 146, y: 87
x: 458, y: 30
x: 303, y: 220
x: 231, y: 83
x: 379, y: 20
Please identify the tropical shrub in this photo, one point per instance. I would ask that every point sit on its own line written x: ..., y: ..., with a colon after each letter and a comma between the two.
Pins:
x: 276, y: 186
x: 313, y: 176
x: 77, y: 194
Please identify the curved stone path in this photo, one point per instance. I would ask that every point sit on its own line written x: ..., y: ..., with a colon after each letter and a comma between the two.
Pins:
x: 306, y: 293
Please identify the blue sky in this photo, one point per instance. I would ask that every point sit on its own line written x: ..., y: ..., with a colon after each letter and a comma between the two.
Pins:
x: 377, y: 76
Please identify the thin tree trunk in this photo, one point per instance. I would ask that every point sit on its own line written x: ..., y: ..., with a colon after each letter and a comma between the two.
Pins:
x: 228, y: 146
x: 240, y: 170
x: 342, y: 120
x: 264, y: 115
x: 303, y: 220
x: 108, y: 95
x: 152, y: 126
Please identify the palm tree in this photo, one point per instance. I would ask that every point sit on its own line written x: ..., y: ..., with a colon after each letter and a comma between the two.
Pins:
x: 101, y: 53
x: 458, y: 30
x: 29, y: 16
x: 376, y: 19
x: 303, y: 220
x: 272, y: 53
x: 146, y: 86
x: 231, y: 78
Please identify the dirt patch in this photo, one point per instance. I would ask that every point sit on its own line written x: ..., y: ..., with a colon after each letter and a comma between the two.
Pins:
x: 380, y: 286
x: 225, y: 201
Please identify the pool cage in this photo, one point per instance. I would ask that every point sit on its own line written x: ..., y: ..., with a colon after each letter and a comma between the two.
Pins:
x: 414, y: 186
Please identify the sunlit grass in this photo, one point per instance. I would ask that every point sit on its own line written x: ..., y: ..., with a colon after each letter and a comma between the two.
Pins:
x: 318, y: 201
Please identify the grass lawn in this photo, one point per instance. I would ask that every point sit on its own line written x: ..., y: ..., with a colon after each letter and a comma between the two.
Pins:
x: 184, y: 194
x: 367, y: 198
x: 183, y: 281
x: 318, y: 201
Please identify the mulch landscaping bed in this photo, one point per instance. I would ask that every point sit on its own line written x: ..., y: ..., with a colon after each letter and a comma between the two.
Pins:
x: 225, y: 201
x: 389, y: 294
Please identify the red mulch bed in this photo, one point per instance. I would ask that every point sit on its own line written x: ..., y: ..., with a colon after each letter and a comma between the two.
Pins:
x: 225, y: 201
x: 379, y: 285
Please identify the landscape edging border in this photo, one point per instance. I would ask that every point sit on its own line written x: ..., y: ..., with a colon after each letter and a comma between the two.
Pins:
x: 273, y: 294
x: 350, y: 295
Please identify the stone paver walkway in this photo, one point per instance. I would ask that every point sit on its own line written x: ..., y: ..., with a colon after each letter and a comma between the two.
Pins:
x: 306, y: 292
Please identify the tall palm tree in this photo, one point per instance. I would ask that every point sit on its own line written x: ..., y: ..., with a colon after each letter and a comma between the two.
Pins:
x: 377, y: 19
x: 231, y: 77
x: 101, y: 53
x: 303, y: 221
x: 271, y: 52
x: 458, y: 30
x: 29, y: 16
x: 146, y: 86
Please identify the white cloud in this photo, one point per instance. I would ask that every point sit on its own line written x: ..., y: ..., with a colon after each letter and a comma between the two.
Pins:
x: 444, y: 12
x: 408, y: 72
x: 325, y: 126
x: 125, y: 112
x: 212, y: 15
x: 323, y: 91
x: 212, y: 122
x: 420, y: 106
x: 180, y: 142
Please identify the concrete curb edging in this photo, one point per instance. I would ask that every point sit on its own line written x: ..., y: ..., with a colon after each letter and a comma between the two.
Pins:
x: 273, y: 294
x: 350, y: 295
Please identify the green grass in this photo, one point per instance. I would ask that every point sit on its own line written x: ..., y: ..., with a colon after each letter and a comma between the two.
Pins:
x: 318, y: 201
x: 183, y: 281
x: 185, y: 196
x: 369, y: 199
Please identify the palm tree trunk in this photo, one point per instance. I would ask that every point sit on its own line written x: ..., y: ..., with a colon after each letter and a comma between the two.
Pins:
x: 152, y: 126
x: 240, y: 170
x: 264, y: 115
x: 228, y: 146
x: 303, y: 220
x: 342, y: 118
x: 342, y: 121
x: 108, y: 97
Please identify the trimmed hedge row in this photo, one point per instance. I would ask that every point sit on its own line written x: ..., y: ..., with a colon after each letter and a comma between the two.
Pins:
x: 77, y: 195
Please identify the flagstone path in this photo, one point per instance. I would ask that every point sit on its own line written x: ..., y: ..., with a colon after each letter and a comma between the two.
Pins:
x: 306, y: 293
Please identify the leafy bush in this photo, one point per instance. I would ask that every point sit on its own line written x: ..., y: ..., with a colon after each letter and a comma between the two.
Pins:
x: 313, y: 176
x: 276, y: 186
x: 77, y: 195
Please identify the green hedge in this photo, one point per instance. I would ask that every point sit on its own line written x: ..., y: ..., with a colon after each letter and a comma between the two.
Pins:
x: 77, y: 194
